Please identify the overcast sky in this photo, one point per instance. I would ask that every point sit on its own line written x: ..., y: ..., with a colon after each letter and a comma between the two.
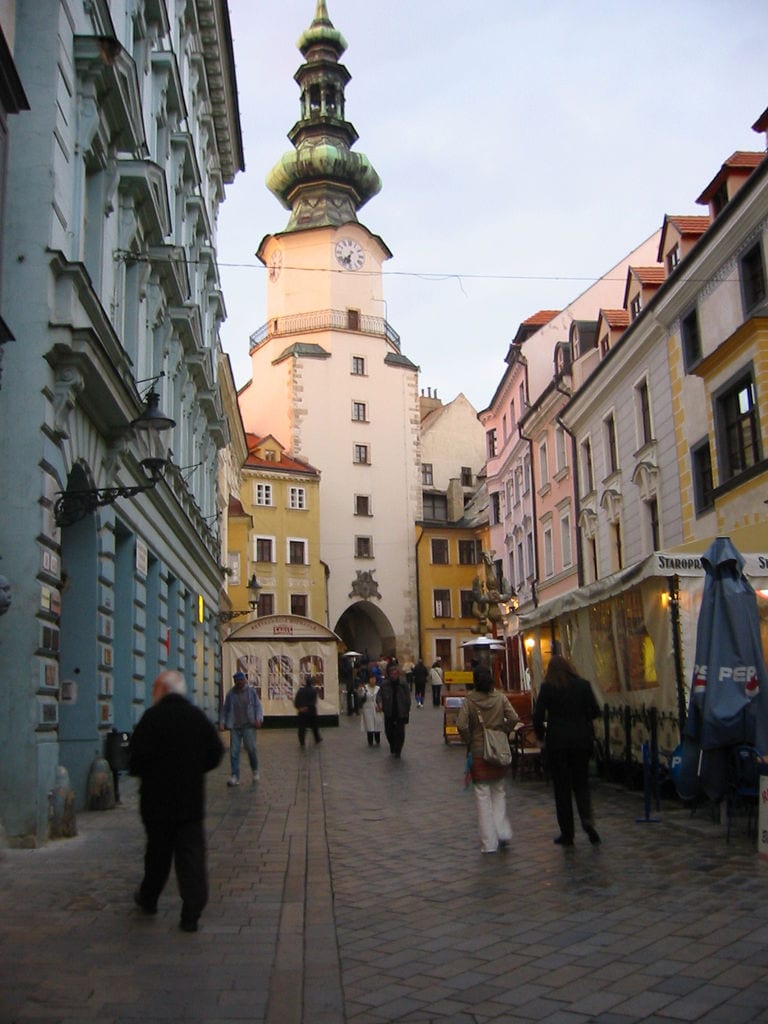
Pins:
x: 524, y: 146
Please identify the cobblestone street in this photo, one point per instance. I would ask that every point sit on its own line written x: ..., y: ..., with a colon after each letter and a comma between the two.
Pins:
x: 347, y: 886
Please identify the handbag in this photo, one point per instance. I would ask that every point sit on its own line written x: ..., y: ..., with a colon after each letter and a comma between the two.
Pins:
x: 496, y: 748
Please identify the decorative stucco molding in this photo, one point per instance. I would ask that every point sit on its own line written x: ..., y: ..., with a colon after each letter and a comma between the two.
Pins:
x: 68, y: 383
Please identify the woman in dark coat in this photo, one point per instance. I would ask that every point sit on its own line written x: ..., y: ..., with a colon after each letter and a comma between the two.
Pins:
x: 564, y: 712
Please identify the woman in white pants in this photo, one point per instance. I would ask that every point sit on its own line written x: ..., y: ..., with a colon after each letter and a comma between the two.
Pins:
x: 487, y: 707
x: 372, y: 720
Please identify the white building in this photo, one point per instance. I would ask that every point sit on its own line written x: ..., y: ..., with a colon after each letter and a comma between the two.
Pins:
x: 329, y: 376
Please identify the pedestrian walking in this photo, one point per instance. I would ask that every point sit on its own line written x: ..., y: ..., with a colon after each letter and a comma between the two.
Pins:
x: 408, y: 670
x: 487, y: 708
x: 420, y: 675
x: 242, y: 715
x: 563, y: 715
x: 394, y: 700
x: 372, y: 721
x: 436, y: 680
x: 305, y: 703
x: 172, y: 747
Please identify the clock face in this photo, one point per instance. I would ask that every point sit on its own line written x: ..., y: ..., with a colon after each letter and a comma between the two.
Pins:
x: 275, y: 264
x: 349, y: 254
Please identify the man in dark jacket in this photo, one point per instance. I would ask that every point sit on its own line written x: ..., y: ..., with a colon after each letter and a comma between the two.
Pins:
x: 172, y: 748
x: 305, y: 703
x: 394, y: 700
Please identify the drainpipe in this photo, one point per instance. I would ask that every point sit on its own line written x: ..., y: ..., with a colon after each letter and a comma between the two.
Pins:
x: 673, y: 582
x: 327, y: 572
x: 576, y: 491
x: 419, y: 653
x: 535, y: 580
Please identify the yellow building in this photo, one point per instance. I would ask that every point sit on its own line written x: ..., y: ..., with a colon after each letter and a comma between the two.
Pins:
x: 274, y: 535
x: 448, y: 555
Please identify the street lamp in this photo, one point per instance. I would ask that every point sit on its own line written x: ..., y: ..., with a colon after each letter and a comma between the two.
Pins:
x: 254, y: 589
x: 77, y: 502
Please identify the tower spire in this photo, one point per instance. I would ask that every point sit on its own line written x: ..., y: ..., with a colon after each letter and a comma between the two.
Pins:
x: 321, y: 181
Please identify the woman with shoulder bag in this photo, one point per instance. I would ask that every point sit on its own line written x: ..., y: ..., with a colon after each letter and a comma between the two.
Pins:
x: 564, y: 712
x: 486, y: 708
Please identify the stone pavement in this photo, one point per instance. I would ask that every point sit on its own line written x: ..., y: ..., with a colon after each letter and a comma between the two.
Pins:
x: 347, y: 887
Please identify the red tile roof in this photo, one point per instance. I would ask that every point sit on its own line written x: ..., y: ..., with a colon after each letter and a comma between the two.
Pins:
x: 690, y: 226
x: 649, y: 275
x: 650, y: 278
x: 541, y: 318
x: 742, y: 161
x: 285, y: 464
x: 615, y: 317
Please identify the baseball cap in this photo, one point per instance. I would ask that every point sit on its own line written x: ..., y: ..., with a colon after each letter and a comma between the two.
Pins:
x: 239, y: 675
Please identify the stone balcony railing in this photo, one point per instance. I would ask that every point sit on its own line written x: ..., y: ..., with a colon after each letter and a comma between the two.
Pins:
x: 325, y: 320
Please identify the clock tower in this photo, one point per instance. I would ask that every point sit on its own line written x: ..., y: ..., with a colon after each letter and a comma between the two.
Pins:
x: 329, y: 378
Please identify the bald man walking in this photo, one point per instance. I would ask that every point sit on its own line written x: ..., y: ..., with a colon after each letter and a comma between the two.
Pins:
x: 172, y: 748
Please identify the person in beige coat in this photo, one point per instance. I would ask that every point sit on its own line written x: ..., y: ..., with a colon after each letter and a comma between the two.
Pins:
x: 487, y: 779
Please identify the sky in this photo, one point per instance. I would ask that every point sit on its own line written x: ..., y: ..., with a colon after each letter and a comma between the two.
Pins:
x: 524, y: 147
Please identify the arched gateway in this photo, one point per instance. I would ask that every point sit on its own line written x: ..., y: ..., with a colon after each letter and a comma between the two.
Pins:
x: 364, y: 627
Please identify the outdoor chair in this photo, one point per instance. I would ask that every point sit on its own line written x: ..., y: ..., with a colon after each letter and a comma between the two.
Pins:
x: 743, y: 787
x: 526, y: 753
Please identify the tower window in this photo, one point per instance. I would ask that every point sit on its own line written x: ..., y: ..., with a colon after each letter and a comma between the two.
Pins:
x: 362, y: 505
x: 363, y: 547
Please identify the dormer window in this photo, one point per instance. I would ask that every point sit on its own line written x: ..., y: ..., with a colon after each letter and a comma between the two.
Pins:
x: 605, y: 344
x: 719, y: 199
x: 673, y: 258
x: 634, y: 308
x: 562, y: 357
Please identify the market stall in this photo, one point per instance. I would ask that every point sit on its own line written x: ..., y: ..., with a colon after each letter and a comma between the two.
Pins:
x: 276, y: 652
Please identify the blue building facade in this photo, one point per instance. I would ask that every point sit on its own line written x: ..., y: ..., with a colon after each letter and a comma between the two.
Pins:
x: 109, y: 534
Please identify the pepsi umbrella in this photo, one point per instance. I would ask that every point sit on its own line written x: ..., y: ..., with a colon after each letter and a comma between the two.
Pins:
x: 729, y: 689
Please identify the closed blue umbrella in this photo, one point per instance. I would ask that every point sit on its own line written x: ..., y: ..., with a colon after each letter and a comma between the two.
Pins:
x: 729, y: 688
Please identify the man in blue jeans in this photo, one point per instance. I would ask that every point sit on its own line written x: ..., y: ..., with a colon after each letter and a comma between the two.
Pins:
x: 242, y: 714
